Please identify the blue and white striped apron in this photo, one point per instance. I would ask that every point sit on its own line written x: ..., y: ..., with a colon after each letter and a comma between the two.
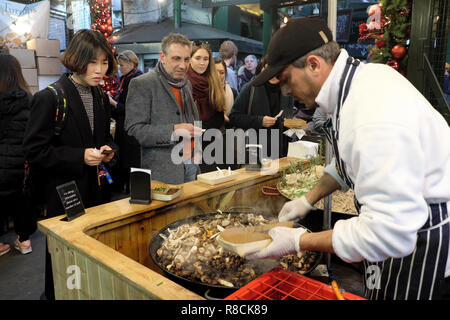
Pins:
x: 412, y: 277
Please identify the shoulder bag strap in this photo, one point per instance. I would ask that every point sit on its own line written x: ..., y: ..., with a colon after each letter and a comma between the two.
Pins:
x: 61, y: 106
x: 250, y: 101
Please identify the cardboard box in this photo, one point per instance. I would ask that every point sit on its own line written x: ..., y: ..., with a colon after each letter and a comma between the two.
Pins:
x: 25, y: 57
x: 31, y: 77
x: 44, y: 47
x: 48, y: 66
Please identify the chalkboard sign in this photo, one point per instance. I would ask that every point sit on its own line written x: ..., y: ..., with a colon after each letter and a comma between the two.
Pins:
x: 343, y: 25
x: 71, y: 200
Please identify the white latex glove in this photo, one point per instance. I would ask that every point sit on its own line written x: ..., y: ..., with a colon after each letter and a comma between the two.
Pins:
x: 294, y: 209
x: 284, y: 241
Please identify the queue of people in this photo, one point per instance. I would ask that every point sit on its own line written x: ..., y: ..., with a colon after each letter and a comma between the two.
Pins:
x: 63, y: 133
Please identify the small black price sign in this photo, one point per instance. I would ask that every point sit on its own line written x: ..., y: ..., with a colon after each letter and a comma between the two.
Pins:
x: 71, y: 200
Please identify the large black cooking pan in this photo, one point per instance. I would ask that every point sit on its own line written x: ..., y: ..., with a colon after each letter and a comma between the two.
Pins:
x: 200, y: 287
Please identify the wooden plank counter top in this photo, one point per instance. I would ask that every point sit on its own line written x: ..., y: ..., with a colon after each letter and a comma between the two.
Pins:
x: 108, y: 246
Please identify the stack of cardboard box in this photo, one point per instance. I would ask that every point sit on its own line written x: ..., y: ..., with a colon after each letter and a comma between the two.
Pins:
x: 40, y: 62
x: 28, y: 63
x: 47, y: 58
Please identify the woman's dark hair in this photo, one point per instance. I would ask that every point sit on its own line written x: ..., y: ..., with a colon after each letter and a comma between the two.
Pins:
x: 82, y: 49
x: 11, y: 77
x: 261, y: 65
x: 218, y: 60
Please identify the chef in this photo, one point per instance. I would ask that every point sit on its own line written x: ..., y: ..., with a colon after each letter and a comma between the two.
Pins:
x: 391, y: 147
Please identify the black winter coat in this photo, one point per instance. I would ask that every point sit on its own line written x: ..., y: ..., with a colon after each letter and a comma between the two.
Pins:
x: 61, y: 158
x: 130, y: 153
x: 239, y: 117
x: 14, y: 114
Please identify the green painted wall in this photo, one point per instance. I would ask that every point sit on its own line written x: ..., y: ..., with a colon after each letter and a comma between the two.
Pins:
x: 228, y: 19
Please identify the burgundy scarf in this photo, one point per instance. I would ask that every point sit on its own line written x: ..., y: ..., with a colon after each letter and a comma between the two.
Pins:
x: 200, y: 92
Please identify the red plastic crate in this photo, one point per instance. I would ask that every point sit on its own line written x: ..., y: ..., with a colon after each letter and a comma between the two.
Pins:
x: 280, y: 284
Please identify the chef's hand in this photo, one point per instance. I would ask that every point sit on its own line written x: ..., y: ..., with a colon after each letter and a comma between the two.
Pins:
x: 284, y: 241
x: 294, y: 209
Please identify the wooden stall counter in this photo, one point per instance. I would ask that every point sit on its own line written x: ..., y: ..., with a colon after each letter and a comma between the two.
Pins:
x: 104, y: 254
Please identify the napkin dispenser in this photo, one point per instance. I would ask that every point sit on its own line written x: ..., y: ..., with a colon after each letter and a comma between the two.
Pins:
x: 253, y: 159
x: 140, y: 186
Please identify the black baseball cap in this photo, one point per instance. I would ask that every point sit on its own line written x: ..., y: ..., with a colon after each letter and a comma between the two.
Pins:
x: 294, y: 40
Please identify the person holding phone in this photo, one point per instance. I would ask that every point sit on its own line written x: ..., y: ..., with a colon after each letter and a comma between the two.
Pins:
x: 85, y: 140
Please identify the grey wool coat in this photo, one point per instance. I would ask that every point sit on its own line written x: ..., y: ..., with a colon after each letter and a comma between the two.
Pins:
x: 152, y: 111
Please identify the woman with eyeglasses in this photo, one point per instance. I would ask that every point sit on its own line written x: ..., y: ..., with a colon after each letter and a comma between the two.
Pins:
x: 129, y: 147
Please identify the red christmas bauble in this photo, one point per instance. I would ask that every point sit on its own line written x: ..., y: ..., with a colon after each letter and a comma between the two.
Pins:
x: 106, y: 35
x: 109, y: 21
x: 393, y: 64
x: 398, y: 51
x: 380, y: 43
x: 109, y: 29
x: 102, y: 28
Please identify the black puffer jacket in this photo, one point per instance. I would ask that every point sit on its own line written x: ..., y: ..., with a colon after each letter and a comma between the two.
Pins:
x: 14, y: 114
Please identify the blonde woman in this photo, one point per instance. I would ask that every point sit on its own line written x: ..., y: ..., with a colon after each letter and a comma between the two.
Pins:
x: 230, y: 93
x: 206, y: 87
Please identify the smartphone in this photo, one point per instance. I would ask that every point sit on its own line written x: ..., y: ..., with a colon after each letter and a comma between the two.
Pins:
x: 106, y: 151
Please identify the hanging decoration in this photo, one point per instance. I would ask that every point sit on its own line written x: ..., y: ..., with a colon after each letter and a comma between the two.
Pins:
x: 389, y: 25
x: 102, y: 22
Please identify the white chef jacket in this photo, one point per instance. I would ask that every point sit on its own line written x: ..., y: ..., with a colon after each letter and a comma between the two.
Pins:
x: 396, y: 148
